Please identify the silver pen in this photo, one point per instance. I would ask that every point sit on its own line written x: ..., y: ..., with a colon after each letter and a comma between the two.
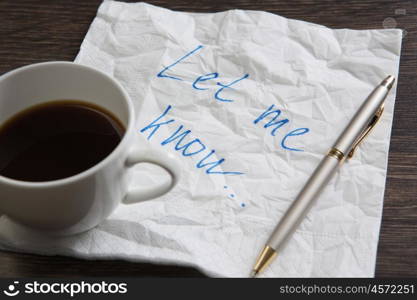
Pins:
x: 357, y: 129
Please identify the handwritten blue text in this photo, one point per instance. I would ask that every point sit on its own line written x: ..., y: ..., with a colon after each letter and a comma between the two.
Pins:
x: 187, y: 145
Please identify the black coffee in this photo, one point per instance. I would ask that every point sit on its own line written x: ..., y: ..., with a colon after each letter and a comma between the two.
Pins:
x: 56, y: 140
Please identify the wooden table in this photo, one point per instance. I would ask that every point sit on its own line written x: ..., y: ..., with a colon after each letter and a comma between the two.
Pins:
x: 35, y: 31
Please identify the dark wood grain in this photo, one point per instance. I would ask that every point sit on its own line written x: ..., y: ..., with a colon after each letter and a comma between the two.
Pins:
x: 35, y: 31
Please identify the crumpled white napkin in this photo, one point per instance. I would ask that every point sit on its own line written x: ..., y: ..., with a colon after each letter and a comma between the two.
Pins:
x: 216, y: 74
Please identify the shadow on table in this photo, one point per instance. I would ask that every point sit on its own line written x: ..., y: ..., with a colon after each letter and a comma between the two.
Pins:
x: 29, y: 265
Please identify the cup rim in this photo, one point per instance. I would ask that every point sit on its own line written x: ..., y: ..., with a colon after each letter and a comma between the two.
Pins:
x: 99, y: 165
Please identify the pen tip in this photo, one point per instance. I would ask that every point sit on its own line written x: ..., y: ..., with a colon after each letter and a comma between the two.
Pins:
x: 388, y: 82
x: 253, y: 273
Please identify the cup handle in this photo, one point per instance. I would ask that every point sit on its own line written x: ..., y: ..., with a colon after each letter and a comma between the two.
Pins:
x: 163, y: 159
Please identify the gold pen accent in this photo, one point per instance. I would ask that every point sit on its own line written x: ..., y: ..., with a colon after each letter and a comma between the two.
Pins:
x: 264, y: 259
x: 367, y: 130
x: 339, y: 154
x: 336, y: 153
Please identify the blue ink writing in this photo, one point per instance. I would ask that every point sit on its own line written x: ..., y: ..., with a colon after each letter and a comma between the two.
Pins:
x: 217, y: 96
x: 156, y: 125
x: 230, y: 195
x: 190, y: 148
x: 213, y: 165
x: 196, y: 146
x: 295, y: 132
x: 202, y: 78
x: 278, y: 124
x: 161, y: 74
x: 184, y: 148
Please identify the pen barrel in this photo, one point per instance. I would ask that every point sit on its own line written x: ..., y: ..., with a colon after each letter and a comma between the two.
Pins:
x: 303, y: 202
x: 361, y: 119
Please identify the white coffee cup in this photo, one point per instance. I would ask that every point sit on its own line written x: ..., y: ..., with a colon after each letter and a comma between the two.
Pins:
x: 80, y: 202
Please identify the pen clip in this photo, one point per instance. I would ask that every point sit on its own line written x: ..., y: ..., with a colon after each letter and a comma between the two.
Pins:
x: 367, y: 130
